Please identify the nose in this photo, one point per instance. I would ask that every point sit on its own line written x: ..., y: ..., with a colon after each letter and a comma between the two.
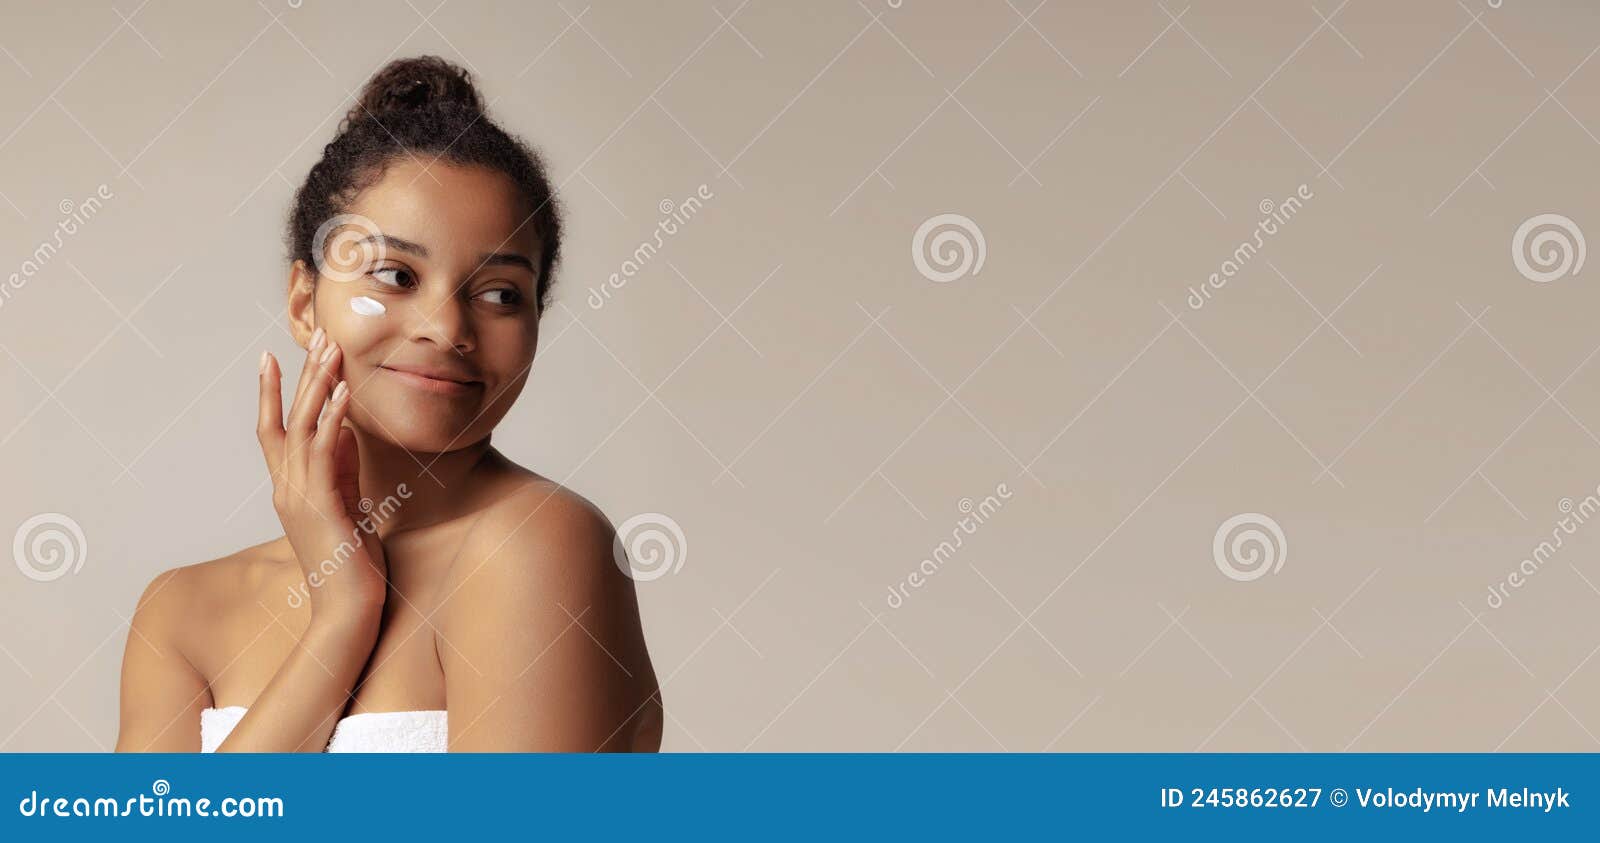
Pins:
x: 444, y: 321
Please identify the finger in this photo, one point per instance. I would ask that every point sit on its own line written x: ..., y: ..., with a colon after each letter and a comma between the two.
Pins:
x: 302, y: 426
x: 347, y: 469
x: 322, y: 468
x: 319, y: 380
x: 314, y: 349
x: 308, y: 464
x: 269, y: 421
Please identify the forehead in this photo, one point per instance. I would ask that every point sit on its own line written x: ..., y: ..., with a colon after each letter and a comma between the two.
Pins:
x: 449, y: 208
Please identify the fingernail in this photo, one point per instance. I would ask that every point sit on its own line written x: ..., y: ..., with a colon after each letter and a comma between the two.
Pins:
x: 262, y: 366
x: 327, y: 356
x: 316, y: 339
x: 340, y: 391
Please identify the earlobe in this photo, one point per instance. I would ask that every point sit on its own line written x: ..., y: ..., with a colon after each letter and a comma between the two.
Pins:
x: 302, y: 302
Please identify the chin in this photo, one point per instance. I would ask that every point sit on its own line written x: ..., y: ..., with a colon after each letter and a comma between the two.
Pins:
x: 434, y: 439
x: 423, y: 429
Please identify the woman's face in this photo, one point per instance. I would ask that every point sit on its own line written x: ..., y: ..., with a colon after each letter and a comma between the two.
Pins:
x: 428, y: 285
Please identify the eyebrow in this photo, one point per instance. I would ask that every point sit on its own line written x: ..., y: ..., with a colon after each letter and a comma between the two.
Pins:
x: 401, y: 244
x: 508, y: 259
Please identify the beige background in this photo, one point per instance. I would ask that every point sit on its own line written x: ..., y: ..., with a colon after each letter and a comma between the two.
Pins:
x: 785, y: 384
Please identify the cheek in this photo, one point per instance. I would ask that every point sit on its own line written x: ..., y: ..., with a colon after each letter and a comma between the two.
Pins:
x: 506, y: 353
x: 510, y: 351
x: 354, y: 322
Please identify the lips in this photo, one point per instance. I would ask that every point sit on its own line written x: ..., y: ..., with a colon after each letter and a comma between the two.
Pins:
x: 434, y: 382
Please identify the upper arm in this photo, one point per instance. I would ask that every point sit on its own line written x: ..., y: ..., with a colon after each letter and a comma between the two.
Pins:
x: 162, y: 693
x: 540, y: 636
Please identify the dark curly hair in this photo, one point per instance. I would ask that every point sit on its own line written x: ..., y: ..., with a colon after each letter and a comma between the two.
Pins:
x: 423, y: 106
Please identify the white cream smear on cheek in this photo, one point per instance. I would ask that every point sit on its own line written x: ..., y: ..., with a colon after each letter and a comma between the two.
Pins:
x: 366, y: 306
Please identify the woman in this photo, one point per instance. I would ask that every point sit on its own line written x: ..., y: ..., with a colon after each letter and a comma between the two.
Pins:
x: 428, y: 593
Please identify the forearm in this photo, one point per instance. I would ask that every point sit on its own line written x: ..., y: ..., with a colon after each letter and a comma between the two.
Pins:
x: 300, y: 706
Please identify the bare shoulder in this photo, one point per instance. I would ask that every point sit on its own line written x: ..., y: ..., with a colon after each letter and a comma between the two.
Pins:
x: 187, y: 603
x: 538, y: 557
x: 540, y: 554
x: 541, y: 527
x: 540, y: 634
x: 180, y: 626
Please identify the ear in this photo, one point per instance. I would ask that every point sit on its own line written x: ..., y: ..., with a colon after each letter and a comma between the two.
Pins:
x: 302, y: 303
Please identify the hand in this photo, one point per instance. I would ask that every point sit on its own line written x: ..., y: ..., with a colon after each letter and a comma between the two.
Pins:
x: 316, y: 491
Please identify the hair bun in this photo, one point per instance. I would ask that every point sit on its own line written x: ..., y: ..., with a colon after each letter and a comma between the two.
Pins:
x: 415, y: 84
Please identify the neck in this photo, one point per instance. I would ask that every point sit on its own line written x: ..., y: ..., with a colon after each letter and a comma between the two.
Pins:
x: 427, y: 486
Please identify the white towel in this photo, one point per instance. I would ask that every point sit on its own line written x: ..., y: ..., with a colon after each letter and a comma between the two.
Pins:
x: 382, y: 731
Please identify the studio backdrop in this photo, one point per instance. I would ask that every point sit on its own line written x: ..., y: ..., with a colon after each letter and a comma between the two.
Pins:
x: 967, y: 376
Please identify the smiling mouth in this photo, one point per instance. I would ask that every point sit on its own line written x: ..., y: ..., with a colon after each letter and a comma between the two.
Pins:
x: 437, y: 386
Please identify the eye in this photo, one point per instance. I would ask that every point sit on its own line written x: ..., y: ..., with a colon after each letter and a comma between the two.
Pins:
x: 394, y: 276
x: 502, y: 296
